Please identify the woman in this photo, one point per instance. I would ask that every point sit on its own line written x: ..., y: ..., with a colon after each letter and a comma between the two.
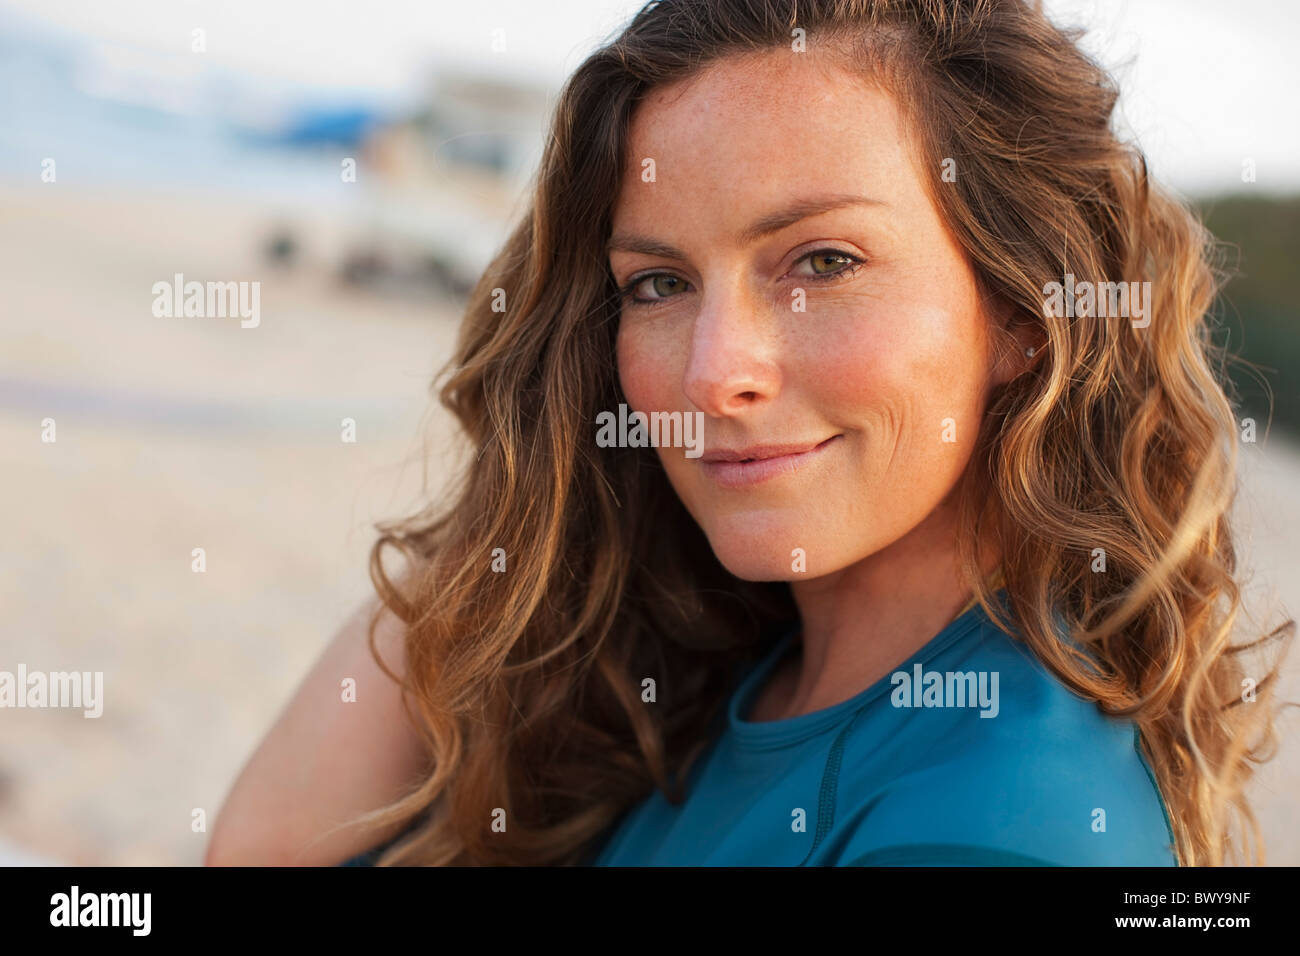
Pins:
x: 949, y: 578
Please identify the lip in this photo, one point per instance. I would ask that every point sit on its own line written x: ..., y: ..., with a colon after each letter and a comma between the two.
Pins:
x: 728, y: 467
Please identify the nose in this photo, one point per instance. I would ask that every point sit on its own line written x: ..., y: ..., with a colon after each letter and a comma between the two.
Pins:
x: 732, y: 364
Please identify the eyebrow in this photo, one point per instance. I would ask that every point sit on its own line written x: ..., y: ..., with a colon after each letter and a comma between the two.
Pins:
x: 764, y: 226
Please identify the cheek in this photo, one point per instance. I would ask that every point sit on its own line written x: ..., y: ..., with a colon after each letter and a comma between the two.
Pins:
x: 649, y: 371
x: 631, y: 365
x: 903, y: 371
x: 645, y: 368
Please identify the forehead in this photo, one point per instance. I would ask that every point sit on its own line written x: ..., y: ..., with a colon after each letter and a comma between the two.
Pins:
x: 757, y: 128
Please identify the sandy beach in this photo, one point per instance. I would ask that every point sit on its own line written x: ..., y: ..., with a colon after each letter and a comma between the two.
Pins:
x: 175, y: 434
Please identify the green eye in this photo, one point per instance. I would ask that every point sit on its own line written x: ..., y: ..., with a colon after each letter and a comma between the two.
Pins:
x: 663, y: 286
x: 828, y: 265
x: 831, y: 265
x: 670, y: 284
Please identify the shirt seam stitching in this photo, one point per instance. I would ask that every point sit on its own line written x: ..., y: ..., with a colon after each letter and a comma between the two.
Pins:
x: 933, y: 852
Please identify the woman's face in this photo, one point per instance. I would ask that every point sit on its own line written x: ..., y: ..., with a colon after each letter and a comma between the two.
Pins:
x: 798, y: 288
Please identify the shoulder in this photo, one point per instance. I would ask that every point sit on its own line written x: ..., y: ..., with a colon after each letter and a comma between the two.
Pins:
x: 1045, y: 778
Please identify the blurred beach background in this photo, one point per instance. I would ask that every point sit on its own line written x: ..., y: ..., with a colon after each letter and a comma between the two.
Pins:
x: 128, y: 155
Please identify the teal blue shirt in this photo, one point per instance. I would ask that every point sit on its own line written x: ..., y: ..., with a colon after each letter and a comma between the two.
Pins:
x: 969, y: 754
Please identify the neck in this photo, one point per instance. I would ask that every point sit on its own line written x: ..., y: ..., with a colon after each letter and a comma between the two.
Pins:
x: 860, y: 623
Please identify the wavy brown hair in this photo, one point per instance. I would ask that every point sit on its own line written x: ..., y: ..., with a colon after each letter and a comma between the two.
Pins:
x: 1120, y: 443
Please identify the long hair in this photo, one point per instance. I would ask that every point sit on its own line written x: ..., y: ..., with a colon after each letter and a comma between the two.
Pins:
x: 570, y: 637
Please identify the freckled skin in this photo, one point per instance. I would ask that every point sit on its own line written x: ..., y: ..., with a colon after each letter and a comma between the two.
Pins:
x: 881, y: 357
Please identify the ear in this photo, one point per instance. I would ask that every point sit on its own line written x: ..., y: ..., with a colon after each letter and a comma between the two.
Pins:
x: 1012, y: 337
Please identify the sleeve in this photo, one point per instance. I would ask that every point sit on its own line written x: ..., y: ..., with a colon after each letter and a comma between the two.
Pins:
x: 1089, y: 802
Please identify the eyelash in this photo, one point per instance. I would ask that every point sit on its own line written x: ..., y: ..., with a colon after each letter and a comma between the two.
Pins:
x: 625, y: 293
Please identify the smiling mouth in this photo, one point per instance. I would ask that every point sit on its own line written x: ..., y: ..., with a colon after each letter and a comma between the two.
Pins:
x: 736, y: 468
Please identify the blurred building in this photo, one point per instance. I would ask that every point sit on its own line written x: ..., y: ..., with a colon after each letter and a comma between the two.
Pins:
x: 449, y: 179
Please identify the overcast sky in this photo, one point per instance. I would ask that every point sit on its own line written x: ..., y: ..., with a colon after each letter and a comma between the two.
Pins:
x: 1207, y: 83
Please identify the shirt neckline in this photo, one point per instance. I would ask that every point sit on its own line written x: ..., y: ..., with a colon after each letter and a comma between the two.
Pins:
x: 771, y: 734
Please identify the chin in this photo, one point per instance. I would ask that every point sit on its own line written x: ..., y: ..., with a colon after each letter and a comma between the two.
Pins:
x: 757, y: 567
x: 758, y: 550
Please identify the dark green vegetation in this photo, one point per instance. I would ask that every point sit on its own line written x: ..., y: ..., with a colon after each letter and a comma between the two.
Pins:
x: 1257, y: 316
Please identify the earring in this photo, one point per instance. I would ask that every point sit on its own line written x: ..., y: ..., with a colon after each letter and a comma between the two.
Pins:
x: 1029, y: 352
